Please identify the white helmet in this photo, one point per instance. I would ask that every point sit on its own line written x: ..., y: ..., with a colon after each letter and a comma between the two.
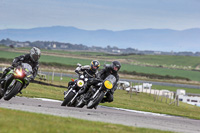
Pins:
x: 35, y: 54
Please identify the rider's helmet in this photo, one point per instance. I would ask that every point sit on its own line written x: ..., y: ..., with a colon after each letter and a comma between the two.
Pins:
x: 94, y: 65
x: 115, y: 66
x: 35, y: 54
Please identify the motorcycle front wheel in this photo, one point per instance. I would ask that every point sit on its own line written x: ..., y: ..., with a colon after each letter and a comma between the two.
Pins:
x: 96, y: 100
x: 1, y: 92
x: 68, y: 98
x: 11, y: 92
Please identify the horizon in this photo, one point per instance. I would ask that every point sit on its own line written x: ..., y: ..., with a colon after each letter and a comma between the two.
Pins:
x: 98, y: 29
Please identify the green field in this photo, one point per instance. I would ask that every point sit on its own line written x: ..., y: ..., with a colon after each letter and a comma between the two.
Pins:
x: 163, y: 60
x: 192, y: 75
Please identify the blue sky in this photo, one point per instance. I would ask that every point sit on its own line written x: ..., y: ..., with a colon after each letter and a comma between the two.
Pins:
x: 101, y: 14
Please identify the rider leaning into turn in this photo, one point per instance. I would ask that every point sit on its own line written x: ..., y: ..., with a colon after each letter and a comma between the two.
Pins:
x: 89, y: 71
x: 32, y: 59
x: 113, y: 69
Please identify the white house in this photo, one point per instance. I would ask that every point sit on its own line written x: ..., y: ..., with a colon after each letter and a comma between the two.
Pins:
x: 146, y: 88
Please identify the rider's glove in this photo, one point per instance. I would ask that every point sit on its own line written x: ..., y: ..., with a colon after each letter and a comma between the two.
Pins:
x: 15, y: 64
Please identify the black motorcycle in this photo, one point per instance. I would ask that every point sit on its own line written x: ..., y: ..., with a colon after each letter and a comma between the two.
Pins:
x: 97, y: 92
x: 73, y: 91
x: 15, y: 80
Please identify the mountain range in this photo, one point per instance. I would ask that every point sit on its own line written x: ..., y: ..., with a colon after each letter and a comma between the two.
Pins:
x: 142, y: 39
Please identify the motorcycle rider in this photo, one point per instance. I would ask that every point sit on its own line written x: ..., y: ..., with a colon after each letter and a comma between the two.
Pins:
x: 89, y: 71
x: 113, y: 69
x: 32, y: 59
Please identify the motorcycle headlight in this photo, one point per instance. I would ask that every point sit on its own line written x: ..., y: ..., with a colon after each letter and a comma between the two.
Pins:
x: 80, y: 83
x: 86, y: 79
x: 108, y: 84
x: 19, y: 73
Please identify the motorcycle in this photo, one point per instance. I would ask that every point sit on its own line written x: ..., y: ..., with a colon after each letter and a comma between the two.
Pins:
x: 97, y: 93
x: 15, y: 80
x: 82, y: 100
x: 74, y: 90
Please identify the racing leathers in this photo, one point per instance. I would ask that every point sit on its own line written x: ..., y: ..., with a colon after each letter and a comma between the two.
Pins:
x: 105, y: 72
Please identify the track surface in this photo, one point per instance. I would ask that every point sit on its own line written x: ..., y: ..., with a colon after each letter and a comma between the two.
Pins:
x: 104, y: 114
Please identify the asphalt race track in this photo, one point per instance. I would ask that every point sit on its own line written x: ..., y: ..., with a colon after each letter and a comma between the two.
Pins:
x: 104, y: 114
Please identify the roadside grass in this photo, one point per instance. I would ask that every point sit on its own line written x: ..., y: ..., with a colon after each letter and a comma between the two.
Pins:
x: 13, y: 121
x: 142, y: 101
x: 43, y: 91
x: 145, y: 102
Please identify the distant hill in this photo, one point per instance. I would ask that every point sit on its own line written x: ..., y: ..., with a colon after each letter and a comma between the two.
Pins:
x: 142, y: 39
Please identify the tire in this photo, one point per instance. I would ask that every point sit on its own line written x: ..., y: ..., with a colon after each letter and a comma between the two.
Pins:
x: 68, y: 98
x: 1, y: 92
x: 80, y: 104
x: 94, y: 102
x: 13, y: 91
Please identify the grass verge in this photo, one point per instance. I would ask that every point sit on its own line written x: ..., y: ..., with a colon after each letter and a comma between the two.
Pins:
x: 13, y: 121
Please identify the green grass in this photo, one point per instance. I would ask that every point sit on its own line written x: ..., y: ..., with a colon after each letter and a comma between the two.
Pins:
x: 164, y: 60
x: 144, y: 102
x: 13, y: 121
x: 192, y: 75
x: 9, y: 55
x: 76, y: 52
x: 167, y: 60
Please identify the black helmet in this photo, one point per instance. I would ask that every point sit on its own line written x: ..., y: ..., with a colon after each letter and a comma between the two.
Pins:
x: 116, y: 66
x: 35, y: 54
x: 94, y: 65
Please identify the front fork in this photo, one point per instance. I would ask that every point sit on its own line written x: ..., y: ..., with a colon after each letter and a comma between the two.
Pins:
x: 7, y: 81
x: 105, y: 91
x: 73, y: 98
